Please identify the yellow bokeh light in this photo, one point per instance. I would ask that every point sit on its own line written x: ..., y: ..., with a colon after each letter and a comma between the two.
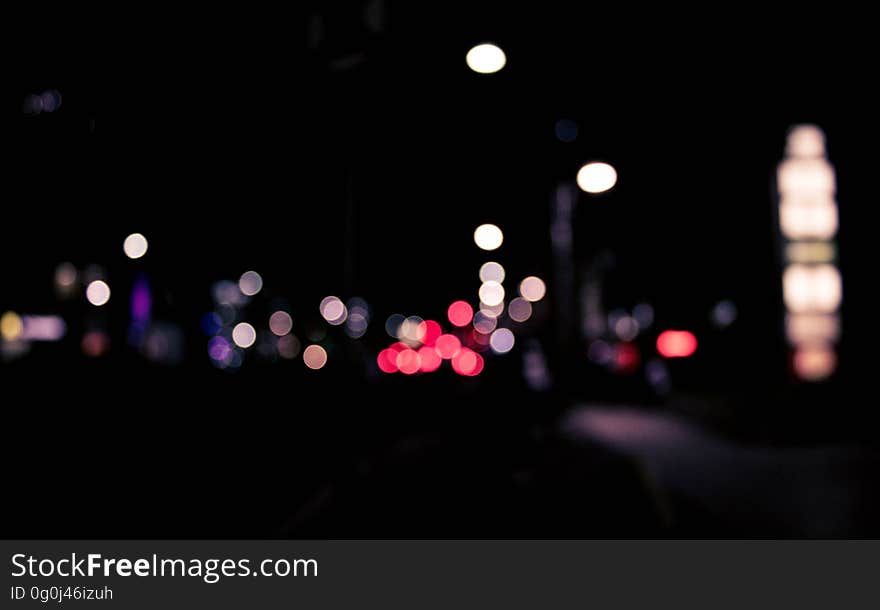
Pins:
x: 11, y: 326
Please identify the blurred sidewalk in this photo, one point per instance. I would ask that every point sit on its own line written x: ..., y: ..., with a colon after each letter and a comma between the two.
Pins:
x: 717, y: 487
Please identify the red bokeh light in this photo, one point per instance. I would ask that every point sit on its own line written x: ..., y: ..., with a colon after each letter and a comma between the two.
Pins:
x: 626, y: 358
x: 467, y: 362
x: 460, y: 313
x: 430, y: 360
x: 479, y: 367
x: 676, y: 343
x: 447, y: 346
x: 408, y: 361
x: 428, y: 331
x: 387, y: 360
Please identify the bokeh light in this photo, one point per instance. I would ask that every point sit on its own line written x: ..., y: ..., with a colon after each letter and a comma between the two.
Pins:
x: 280, y: 323
x: 460, y: 313
x: 810, y: 252
x: 519, y: 310
x: 812, y: 328
x: 814, y: 362
x: 486, y: 58
x: 226, y: 292
x: 596, y: 177
x: 493, y: 311
x: 643, y: 314
x: 491, y: 293
x: 502, y: 341
x: 467, y: 362
x: 387, y: 360
x: 333, y: 310
x: 532, y: 289
x: 356, y: 325
x: 11, y: 326
x: 447, y: 346
x: 600, y: 352
x: 98, y: 293
x: 657, y: 374
x: 805, y: 141
x: 488, y: 237
x: 429, y: 359
x: 358, y: 318
x: 244, y: 335
x: 315, y: 357
x: 484, y: 324
x: 676, y: 343
x: 65, y: 277
x: 626, y: 358
x: 288, y: 347
x: 626, y: 328
x: 95, y: 343
x: 392, y: 324
x: 409, y: 330
x: 797, y: 177
x: 723, y: 313
x: 812, y: 288
x: 135, y: 245
x: 428, y: 331
x: 491, y: 272
x: 408, y: 361
x: 41, y: 328
x: 250, y: 283
x: 219, y: 349
x: 801, y: 218
x: 33, y: 104
x: 51, y: 100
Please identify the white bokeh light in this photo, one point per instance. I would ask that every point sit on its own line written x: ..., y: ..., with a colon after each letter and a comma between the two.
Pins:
x: 805, y: 141
x: 812, y: 288
x: 244, y: 334
x: 492, y: 272
x: 250, y: 283
x: 502, y: 341
x: 98, y: 293
x: 333, y: 310
x: 492, y: 293
x: 135, y: 245
x: 486, y: 58
x: 596, y: 177
x: 532, y: 289
x: 488, y: 237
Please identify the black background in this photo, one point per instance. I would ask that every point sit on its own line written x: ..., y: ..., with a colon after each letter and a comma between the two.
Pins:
x: 228, y: 141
